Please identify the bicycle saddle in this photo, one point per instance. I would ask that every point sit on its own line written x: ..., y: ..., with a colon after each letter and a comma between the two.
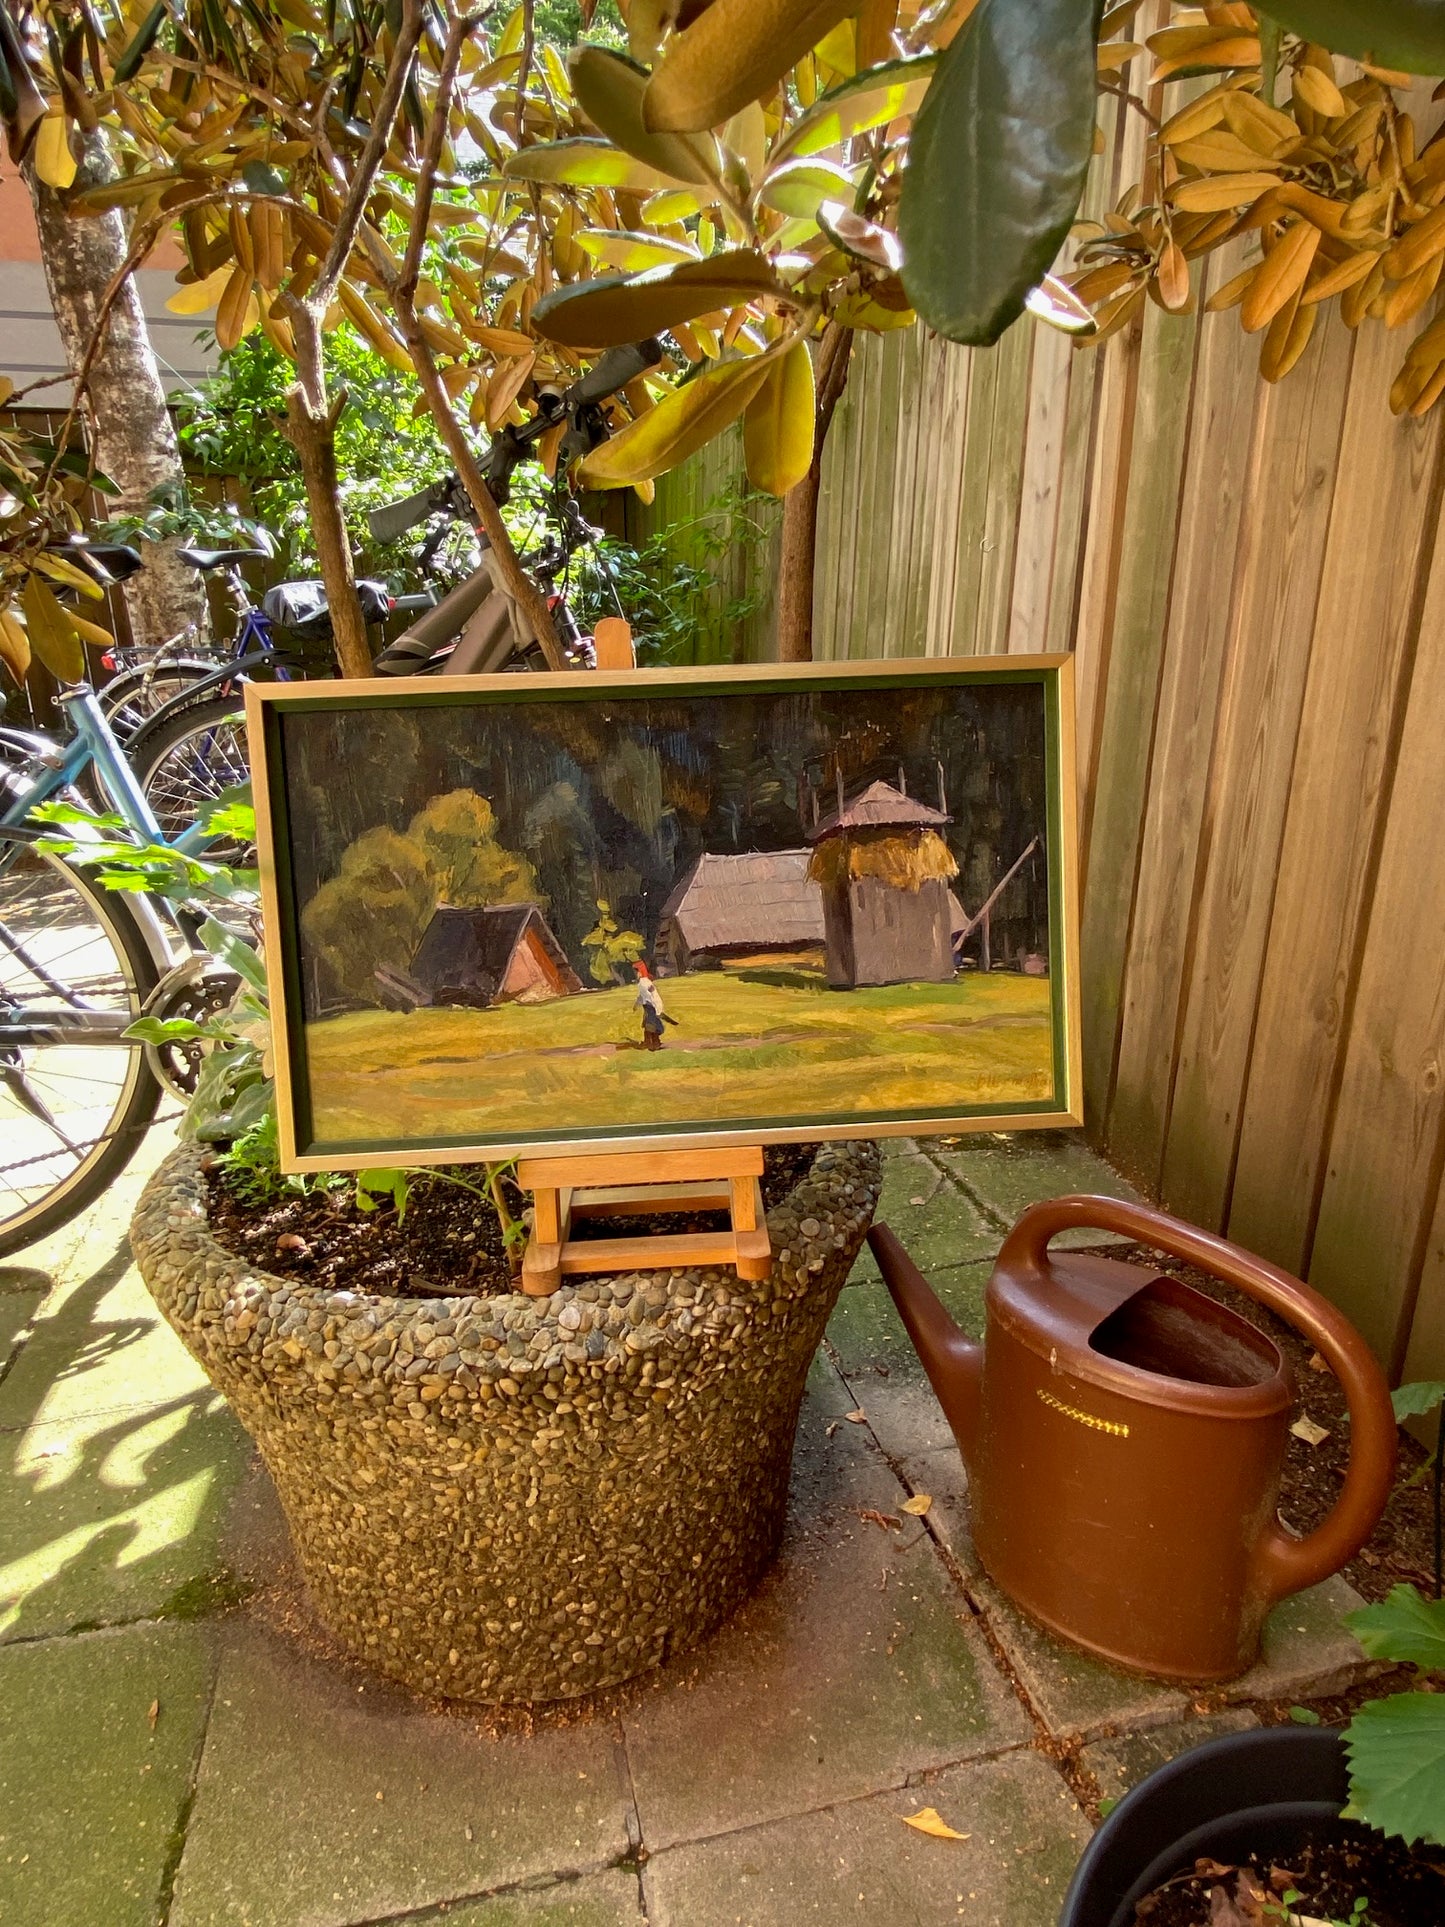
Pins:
x: 205, y: 559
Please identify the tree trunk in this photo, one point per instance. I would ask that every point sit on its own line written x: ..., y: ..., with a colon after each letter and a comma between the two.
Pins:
x: 132, y: 438
x: 311, y: 430
x: 797, y: 560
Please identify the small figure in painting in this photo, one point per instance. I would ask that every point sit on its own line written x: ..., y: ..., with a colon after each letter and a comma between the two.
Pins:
x: 649, y: 1002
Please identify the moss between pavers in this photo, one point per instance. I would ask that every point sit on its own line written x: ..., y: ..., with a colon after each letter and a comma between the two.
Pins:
x: 1007, y: 1172
x: 860, y: 1864
x: 600, y: 1900
x: 1121, y: 1763
x: 946, y: 1228
x: 91, y: 1792
x: 328, y: 1799
x: 115, y: 1517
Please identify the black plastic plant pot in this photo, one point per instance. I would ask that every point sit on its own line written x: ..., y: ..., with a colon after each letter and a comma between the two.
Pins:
x: 1268, y: 1791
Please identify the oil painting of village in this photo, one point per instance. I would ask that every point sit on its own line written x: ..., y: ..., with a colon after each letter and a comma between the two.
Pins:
x: 513, y: 916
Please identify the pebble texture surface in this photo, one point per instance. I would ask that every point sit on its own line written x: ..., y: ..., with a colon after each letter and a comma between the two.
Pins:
x: 508, y: 1498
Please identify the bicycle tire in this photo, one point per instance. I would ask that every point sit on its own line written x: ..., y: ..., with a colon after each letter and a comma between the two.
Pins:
x: 114, y: 928
x: 187, y: 759
x: 126, y: 698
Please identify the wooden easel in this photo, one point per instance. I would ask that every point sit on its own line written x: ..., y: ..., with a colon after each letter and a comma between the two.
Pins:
x: 641, y: 1183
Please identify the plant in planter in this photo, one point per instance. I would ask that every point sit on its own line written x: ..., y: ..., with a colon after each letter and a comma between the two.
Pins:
x: 491, y: 1496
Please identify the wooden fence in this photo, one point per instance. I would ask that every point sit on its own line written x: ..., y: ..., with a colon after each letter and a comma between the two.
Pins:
x: 1250, y: 579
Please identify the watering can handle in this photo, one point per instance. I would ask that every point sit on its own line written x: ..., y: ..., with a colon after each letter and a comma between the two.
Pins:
x: 1284, y: 1564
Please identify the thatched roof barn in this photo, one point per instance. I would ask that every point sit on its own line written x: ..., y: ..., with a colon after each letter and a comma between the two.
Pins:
x: 502, y: 954
x: 884, y: 872
x: 734, y: 906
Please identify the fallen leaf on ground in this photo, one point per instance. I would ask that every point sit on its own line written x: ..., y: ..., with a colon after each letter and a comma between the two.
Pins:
x: 918, y: 1200
x: 1312, y: 1434
x: 860, y: 1417
x: 1317, y: 1363
x: 153, y: 1713
x: 918, y: 1504
x: 930, y: 1821
x: 878, y: 1519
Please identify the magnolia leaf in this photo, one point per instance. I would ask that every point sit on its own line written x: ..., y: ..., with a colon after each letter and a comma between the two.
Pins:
x: 1397, y: 1766
x: 838, y: 49
x: 633, y: 253
x: 1408, y: 35
x: 870, y: 99
x: 609, y: 89
x: 732, y: 55
x: 54, y: 162
x: 997, y: 160
x: 261, y: 178
x: 584, y: 163
x: 679, y: 424
x: 779, y: 424
x: 1404, y: 1628
x: 862, y: 239
x: 918, y: 1505
x: 129, y: 64
x: 865, y: 312
x: 1415, y: 1399
x: 609, y: 312
x: 52, y: 635
x: 199, y: 297
x: 14, y: 646
x: 746, y: 138
x: 69, y: 576
x: 799, y: 188
x: 672, y: 204
x: 22, y: 105
x: 930, y: 1821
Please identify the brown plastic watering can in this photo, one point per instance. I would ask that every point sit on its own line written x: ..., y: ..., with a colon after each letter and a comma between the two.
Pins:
x: 1124, y: 1435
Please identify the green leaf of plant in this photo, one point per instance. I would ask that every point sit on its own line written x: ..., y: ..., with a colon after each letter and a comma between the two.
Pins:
x: 128, y: 66
x: 1304, y: 1716
x: 1397, y: 1766
x: 22, y: 105
x: 605, y: 313
x: 261, y: 177
x: 799, y: 188
x: 235, y: 954
x: 680, y: 424
x: 609, y: 89
x: 869, y: 99
x: 633, y: 253
x: 1407, y: 34
x: 1404, y: 1628
x: 779, y: 424
x: 585, y: 163
x: 996, y: 164
x: 383, y: 1182
x: 1415, y: 1399
x: 731, y: 55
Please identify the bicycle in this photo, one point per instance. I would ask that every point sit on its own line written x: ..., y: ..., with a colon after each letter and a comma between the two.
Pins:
x: 78, y: 966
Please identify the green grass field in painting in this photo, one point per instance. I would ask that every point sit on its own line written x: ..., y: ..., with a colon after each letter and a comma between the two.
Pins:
x: 755, y: 1043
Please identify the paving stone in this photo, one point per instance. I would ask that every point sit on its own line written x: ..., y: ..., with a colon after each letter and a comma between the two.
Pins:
x: 946, y: 1229
x: 17, y: 1308
x: 91, y: 1793
x: 115, y: 1517
x: 942, y: 1476
x: 856, y: 1664
x: 598, y: 1900
x: 1121, y: 1763
x: 875, y: 1355
x: 1307, y: 1650
x: 1008, y: 1171
x: 859, y: 1863
x: 325, y: 1799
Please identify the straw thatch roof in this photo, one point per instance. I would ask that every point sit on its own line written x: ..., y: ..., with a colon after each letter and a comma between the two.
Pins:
x: 760, y: 901
x: 903, y: 859
x: 879, y: 807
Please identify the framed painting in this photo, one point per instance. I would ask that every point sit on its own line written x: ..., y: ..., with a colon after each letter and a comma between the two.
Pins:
x: 554, y: 914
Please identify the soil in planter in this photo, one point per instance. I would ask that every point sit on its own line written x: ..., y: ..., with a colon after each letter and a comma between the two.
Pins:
x: 1401, y: 1547
x: 449, y: 1240
x: 1405, y: 1887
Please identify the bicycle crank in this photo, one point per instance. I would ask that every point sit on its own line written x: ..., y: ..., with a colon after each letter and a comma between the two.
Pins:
x: 196, y: 988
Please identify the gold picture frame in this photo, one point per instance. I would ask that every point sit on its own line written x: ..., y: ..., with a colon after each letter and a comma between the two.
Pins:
x: 323, y: 1054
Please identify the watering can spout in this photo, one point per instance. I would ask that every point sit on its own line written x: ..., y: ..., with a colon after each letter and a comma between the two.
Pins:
x: 953, y: 1362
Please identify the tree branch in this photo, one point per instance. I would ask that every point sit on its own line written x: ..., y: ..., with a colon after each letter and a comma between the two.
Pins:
x: 459, y: 29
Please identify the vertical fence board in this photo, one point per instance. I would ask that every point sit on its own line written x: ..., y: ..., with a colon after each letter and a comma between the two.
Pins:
x: 1005, y: 477
x: 1365, y: 603
x: 1040, y: 490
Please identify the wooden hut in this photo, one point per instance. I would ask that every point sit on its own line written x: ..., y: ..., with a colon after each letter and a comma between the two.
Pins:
x: 884, y: 871
x: 502, y: 954
x: 729, y: 908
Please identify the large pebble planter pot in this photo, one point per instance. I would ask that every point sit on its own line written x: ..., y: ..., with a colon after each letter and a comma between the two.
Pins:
x: 508, y: 1498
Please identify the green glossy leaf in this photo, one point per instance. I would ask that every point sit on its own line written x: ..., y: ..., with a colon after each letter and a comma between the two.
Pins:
x: 1407, y: 34
x: 129, y: 64
x: 235, y: 954
x: 677, y: 427
x: 1415, y: 1399
x: 997, y: 160
x: 1404, y: 1628
x: 261, y: 177
x: 1397, y: 1766
x: 584, y: 163
x: 609, y: 89
x: 383, y: 1182
x: 632, y: 253
x: 606, y: 313
x: 870, y: 99
x: 1304, y: 1716
x: 731, y: 55
x: 799, y: 188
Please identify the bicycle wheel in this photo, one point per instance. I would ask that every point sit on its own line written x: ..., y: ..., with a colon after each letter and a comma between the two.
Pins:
x: 132, y: 697
x: 75, y: 1097
x: 187, y: 762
